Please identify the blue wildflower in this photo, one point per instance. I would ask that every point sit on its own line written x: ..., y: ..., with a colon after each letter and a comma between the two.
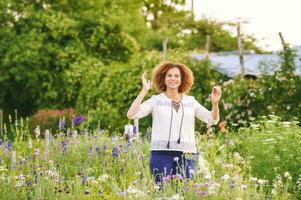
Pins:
x: 135, y: 130
x: 115, y: 152
x: 78, y: 120
x: 8, y: 146
x: 97, y: 150
x: 127, y: 137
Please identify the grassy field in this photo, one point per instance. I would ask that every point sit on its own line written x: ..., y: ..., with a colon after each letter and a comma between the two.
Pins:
x: 261, y: 161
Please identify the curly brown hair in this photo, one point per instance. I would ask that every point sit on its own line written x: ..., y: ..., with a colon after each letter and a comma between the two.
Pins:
x: 160, y: 71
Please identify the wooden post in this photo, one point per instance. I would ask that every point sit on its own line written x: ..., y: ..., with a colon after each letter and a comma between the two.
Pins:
x: 207, y: 47
x: 1, y: 123
x: 282, y: 40
x: 241, y: 50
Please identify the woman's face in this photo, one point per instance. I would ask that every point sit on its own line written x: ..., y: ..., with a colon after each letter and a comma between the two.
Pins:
x: 173, y: 78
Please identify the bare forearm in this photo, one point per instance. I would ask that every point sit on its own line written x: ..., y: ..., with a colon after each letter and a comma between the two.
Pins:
x: 215, y: 111
x: 137, y: 102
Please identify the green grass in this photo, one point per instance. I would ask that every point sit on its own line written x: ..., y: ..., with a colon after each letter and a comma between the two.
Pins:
x: 240, y: 166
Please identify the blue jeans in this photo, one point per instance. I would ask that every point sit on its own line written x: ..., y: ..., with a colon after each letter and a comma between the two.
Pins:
x: 168, y: 164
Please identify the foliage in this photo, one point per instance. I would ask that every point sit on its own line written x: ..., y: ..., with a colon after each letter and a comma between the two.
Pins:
x: 47, y: 49
x: 275, y: 94
x: 272, y: 146
x: 165, y: 18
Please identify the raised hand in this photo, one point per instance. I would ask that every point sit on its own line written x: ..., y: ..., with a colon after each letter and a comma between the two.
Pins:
x: 216, y: 94
x: 146, y: 83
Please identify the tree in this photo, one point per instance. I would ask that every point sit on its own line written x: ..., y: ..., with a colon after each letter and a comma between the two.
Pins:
x: 221, y: 39
x: 166, y: 18
x: 47, y: 49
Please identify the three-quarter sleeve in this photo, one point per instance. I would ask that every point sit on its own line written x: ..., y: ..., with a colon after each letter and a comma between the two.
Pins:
x: 144, y: 109
x: 204, y: 114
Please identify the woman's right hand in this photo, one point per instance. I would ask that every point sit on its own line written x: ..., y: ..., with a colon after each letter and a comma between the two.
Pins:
x: 147, y: 84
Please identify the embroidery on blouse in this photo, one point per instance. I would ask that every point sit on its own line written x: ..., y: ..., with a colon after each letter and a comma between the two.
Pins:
x: 176, y: 105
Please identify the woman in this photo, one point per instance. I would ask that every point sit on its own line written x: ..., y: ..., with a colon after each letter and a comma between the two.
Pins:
x: 173, y: 119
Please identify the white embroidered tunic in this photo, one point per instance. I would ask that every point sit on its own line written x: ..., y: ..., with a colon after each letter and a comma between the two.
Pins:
x: 171, y: 130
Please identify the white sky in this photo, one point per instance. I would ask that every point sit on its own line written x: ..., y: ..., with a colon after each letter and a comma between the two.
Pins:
x: 265, y: 18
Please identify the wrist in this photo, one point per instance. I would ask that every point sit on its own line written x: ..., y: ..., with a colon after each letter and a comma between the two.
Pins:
x: 214, y: 103
x: 144, y: 90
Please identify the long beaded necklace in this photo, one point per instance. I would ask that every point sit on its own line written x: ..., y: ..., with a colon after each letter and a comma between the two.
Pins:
x: 176, y: 105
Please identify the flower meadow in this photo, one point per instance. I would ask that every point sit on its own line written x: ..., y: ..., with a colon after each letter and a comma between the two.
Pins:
x: 78, y: 162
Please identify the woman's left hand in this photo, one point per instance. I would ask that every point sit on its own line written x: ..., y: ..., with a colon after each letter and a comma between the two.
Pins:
x: 216, y: 94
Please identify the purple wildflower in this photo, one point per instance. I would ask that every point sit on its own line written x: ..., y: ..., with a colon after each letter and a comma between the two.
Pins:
x: 35, y: 176
x: 97, y: 150
x: 115, y: 152
x: 78, y: 120
x: 8, y: 146
x: 62, y: 124
x: 104, y: 147
x: 64, y: 147
x: 1, y: 142
x: 204, y: 193
x: 127, y: 137
x: 135, y: 130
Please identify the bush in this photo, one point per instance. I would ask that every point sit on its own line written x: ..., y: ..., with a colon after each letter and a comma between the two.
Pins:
x: 49, y: 119
x: 276, y: 94
x: 272, y: 146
